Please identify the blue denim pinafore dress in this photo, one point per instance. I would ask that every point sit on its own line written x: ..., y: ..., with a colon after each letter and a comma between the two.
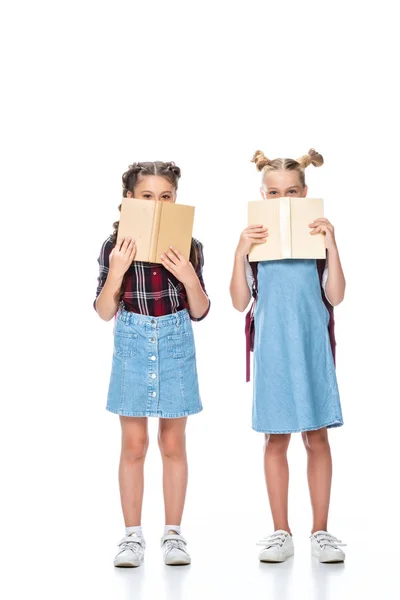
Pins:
x: 295, y: 387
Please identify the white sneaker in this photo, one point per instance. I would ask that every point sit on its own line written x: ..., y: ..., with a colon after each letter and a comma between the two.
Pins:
x: 131, y: 552
x: 174, y: 547
x: 326, y: 547
x: 277, y: 547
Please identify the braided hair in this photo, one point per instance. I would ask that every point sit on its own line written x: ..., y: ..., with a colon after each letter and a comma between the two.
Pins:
x: 135, y: 172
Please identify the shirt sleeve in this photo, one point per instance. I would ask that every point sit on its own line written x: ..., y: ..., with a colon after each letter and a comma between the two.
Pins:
x: 199, y: 273
x: 324, y: 280
x: 104, y: 264
x: 249, y: 275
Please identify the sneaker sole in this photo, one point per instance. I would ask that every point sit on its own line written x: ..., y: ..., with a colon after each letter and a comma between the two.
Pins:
x: 276, y: 560
x: 177, y: 562
x: 328, y: 560
x: 126, y: 565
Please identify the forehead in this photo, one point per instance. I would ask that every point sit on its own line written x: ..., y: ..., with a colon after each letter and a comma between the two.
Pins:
x: 154, y: 183
x: 282, y: 179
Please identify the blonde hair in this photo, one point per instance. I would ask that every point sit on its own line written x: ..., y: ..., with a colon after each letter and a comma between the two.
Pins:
x: 266, y: 165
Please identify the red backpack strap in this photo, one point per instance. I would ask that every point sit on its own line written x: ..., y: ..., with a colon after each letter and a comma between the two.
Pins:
x: 249, y: 324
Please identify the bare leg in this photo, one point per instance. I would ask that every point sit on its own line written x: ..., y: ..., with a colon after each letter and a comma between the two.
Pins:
x: 277, y: 477
x: 319, y: 471
x: 134, y: 446
x: 172, y: 442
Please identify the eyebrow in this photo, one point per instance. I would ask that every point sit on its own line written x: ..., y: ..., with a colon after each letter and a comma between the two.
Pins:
x: 274, y: 189
x: 150, y: 192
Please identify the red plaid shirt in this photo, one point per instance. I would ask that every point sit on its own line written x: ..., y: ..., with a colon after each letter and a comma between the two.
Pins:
x: 149, y: 288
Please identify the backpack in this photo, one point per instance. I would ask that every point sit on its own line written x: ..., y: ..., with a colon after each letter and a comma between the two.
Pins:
x: 250, y: 326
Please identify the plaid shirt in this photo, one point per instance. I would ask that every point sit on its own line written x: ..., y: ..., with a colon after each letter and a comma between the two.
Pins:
x: 149, y: 288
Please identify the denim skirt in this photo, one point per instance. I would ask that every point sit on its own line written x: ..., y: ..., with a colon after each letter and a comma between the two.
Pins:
x: 154, y: 371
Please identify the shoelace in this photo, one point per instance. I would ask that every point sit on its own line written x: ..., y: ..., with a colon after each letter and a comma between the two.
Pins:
x: 127, y: 543
x: 174, y: 541
x: 326, y: 539
x: 270, y: 541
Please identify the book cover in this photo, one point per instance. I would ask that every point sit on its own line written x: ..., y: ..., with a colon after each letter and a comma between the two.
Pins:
x: 155, y: 226
x: 287, y: 220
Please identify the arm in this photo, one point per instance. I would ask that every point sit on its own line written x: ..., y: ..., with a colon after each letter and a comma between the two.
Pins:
x: 183, y: 270
x: 335, y: 284
x: 239, y: 287
x: 113, y: 265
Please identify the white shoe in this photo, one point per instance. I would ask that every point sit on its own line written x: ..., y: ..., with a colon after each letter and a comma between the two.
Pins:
x: 277, y: 547
x: 326, y: 547
x: 174, y: 547
x: 131, y: 552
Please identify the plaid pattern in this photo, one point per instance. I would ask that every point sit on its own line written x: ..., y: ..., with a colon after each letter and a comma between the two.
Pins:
x: 149, y: 288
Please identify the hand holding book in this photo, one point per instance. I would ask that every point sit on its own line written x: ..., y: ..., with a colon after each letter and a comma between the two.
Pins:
x: 121, y: 257
x: 324, y: 226
x: 174, y: 261
x: 253, y: 234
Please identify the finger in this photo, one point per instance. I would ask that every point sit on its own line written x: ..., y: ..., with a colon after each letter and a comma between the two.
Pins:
x: 177, y: 253
x: 167, y: 264
x: 255, y: 227
x: 321, y: 221
x: 320, y: 229
x: 172, y: 257
x: 133, y: 249
x: 125, y: 244
x: 167, y: 261
x: 254, y: 236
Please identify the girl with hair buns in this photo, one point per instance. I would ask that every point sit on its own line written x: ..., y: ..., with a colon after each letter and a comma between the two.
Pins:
x: 154, y: 361
x: 295, y: 386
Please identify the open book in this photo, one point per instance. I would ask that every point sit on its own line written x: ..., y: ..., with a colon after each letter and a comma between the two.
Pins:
x: 155, y: 226
x: 287, y: 220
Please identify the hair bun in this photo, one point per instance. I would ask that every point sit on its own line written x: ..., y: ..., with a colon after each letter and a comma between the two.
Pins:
x: 171, y: 166
x: 311, y: 158
x: 260, y: 159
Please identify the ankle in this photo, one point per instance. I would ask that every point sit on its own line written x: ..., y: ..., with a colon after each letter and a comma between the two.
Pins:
x: 168, y: 528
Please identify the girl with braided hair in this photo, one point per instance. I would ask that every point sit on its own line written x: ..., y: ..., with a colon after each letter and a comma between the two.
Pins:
x: 154, y: 361
x: 290, y: 328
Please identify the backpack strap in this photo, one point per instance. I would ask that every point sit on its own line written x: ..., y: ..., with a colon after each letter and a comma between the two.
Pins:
x: 321, y: 263
x: 249, y: 323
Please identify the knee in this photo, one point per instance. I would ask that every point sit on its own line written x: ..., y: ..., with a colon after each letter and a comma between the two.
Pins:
x: 134, y: 449
x: 171, y: 446
x: 316, y: 441
x: 276, y: 444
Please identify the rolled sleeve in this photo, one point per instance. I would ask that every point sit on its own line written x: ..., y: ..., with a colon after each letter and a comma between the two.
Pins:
x: 104, y: 264
x: 199, y: 273
x: 324, y: 280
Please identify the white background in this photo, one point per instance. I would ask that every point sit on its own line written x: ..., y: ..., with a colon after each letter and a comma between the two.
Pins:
x: 88, y: 88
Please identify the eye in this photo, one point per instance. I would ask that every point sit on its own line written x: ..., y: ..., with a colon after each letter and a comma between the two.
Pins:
x: 167, y: 197
x: 272, y: 193
x: 292, y: 191
x: 147, y: 195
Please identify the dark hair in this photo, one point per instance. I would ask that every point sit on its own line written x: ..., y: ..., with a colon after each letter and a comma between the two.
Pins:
x: 135, y: 172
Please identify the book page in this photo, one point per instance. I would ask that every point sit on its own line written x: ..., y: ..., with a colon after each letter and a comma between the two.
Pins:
x: 176, y: 229
x: 303, y: 212
x: 266, y: 213
x: 136, y: 220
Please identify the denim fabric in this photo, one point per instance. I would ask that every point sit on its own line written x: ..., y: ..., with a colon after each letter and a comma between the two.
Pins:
x: 154, y: 370
x: 295, y: 386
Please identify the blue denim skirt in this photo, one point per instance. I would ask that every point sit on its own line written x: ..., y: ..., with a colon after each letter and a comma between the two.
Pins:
x: 154, y: 371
